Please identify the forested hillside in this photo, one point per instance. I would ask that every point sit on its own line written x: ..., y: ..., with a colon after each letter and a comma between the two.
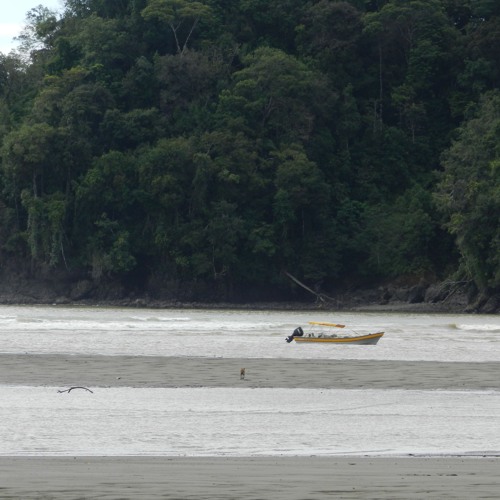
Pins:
x: 204, y: 149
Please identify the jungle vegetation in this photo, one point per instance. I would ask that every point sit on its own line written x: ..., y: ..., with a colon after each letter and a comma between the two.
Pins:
x: 224, y: 142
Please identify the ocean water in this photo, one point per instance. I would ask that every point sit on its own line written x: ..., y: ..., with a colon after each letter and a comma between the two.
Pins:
x: 244, y: 421
x: 247, y: 422
x: 248, y: 334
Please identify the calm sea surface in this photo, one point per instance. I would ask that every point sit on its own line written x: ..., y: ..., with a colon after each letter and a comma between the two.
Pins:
x: 247, y: 334
x: 243, y: 421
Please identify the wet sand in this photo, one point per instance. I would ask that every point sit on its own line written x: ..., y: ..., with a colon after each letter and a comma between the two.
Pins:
x: 137, y: 371
x: 273, y: 478
x: 249, y: 478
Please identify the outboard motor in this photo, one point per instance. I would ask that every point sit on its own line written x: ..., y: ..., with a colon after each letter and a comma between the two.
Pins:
x: 298, y: 332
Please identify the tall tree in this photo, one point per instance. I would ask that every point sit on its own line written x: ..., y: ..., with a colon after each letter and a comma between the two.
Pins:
x: 39, y: 30
x: 276, y: 96
x: 415, y: 43
x: 469, y: 193
x: 181, y: 16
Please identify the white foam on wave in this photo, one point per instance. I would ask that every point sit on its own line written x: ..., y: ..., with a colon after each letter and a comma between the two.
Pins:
x: 485, y: 327
x: 159, y: 318
x: 7, y: 318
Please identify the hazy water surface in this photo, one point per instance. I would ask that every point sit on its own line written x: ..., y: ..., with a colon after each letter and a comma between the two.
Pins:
x: 247, y: 422
x: 243, y: 421
x: 251, y: 334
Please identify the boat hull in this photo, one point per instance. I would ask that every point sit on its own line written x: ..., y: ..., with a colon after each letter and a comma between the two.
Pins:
x: 369, y: 339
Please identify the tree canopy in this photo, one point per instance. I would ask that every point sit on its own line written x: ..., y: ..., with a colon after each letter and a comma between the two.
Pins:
x: 220, y: 145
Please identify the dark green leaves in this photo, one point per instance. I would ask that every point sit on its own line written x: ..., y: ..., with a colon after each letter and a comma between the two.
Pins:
x: 469, y: 192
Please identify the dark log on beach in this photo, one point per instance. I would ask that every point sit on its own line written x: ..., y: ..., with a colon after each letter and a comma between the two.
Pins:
x: 77, y: 387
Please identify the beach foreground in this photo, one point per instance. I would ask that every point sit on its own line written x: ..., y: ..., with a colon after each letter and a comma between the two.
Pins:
x: 249, y: 478
x: 276, y: 478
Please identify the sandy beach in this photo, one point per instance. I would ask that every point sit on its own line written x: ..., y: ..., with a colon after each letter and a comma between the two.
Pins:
x: 150, y: 371
x: 246, y: 478
x: 249, y: 478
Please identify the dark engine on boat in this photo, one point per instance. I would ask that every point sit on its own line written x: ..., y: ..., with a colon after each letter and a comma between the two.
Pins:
x: 298, y: 332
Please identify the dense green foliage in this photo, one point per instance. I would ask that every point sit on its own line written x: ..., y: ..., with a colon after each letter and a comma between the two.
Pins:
x: 224, y: 142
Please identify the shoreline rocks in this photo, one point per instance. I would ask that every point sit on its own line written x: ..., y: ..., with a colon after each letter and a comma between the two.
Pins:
x: 443, y: 297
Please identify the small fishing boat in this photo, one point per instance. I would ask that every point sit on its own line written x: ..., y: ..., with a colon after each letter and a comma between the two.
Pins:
x: 299, y: 336
x: 371, y: 338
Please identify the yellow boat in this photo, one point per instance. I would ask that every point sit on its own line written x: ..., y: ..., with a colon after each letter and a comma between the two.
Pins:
x: 369, y: 339
x: 299, y: 336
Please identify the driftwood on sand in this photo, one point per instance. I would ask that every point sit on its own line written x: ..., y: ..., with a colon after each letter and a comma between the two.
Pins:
x: 76, y: 387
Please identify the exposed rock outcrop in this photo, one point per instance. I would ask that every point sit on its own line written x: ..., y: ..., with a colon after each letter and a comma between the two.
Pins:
x: 398, y: 296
